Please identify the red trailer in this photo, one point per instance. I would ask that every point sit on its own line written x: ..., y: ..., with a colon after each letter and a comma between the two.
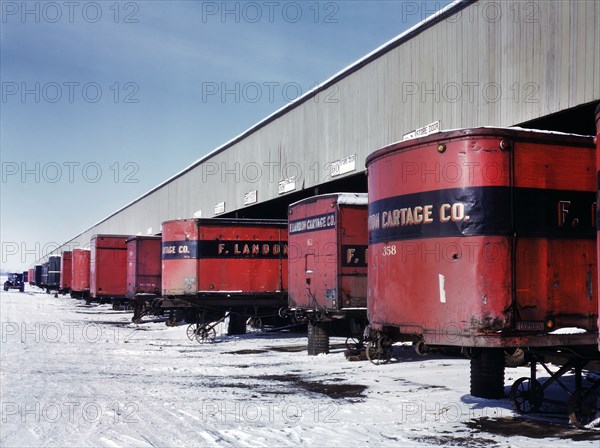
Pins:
x: 108, y: 268
x: 484, y: 239
x: 80, y: 271
x: 31, y: 276
x: 66, y: 272
x: 219, y: 267
x: 143, y: 273
x: 328, y: 267
x: 597, y: 138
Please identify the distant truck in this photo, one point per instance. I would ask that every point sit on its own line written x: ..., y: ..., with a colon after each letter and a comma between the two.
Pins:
x: 15, y: 281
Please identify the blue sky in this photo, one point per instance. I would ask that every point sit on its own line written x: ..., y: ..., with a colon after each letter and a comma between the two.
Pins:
x: 102, y: 103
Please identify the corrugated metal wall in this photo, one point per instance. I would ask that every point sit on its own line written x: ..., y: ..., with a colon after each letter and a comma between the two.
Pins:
x: 491, y: 64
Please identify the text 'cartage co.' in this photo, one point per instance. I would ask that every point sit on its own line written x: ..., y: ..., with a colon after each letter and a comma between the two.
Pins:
x: 312, y: 223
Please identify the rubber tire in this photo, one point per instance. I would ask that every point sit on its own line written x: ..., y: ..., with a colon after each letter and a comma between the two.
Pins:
x: 318, y: 339
x: 514, y: 359
x: 487, y: 374
x: 237, y: 324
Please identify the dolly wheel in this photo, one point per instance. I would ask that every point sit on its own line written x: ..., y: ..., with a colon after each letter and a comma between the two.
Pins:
x: 355, y: 343
x: 192, y: 331
x: 206, y: 335
x: 378, y: 351
x: 254, y: 323
x: 527, y: 395
x: 584, y: 407
x: 283, y: 312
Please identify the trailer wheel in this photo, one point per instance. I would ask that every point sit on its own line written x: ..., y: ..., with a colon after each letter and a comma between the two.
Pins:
x: 584, y: 407
x: 318, y: 338
x: 527, y: 395
x: 379, y: 351
x: 237, y: 324
x: 116, y: 305
x: 355, y: 343
x: 206, y: 335
x: 192, y: 331
x: 487, y: 374
x: 255, y: 323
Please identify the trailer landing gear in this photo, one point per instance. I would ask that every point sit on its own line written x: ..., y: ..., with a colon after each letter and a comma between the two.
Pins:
x: 583, y: 406
x: 379, y: 349
x: 355, y: 343
x: 203, y: 333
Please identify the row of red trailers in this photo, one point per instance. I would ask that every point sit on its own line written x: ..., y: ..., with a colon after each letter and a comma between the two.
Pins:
x: 115, y: 269
x: 480, y: 239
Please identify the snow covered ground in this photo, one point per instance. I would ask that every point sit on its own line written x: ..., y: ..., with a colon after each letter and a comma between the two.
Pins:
x: 76, y: 375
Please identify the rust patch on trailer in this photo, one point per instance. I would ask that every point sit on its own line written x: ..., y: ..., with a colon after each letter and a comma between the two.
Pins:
x: 534, y: 429
x: 488, y: 324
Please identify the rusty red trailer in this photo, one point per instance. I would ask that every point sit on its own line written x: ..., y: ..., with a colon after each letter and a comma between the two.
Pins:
x: 66, y: 271
x: 328, y: 239
x: 144, y: 267
x: 31, y: 276
x: 108, y: 267
x: 597, y: 138
x: 483, y: 238
x: 80, y: 272
x: 217, y: 266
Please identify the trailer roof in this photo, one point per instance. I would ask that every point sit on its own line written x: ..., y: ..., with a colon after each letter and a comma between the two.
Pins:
x: 523, y: 134
x: 341, y: 198
x: 233, y: 221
